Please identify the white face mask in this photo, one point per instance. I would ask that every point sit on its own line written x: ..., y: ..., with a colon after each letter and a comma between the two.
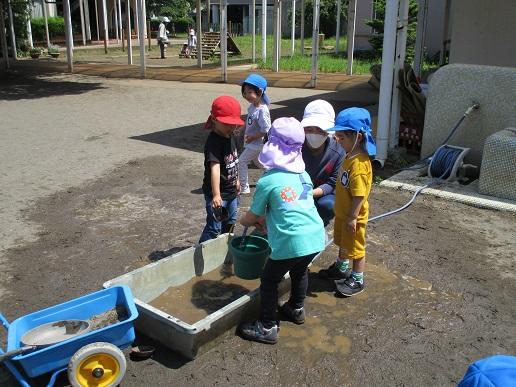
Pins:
x: 315, y: 140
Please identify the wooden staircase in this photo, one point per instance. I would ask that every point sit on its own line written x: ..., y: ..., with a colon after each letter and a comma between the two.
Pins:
x: 211, y: 46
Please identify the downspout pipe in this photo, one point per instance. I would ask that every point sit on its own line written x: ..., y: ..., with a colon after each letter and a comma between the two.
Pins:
x: 387, y: 77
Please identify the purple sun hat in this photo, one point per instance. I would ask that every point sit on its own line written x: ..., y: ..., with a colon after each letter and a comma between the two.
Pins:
x: 283, y: 149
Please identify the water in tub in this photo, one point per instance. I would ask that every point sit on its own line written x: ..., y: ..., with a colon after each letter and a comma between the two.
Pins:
x: 202, y: 295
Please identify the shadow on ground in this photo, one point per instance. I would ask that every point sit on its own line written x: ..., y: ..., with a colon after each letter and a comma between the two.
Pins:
x: 17, y: 85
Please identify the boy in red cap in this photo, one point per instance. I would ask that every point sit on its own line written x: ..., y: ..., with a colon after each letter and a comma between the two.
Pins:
x: 220, y: 185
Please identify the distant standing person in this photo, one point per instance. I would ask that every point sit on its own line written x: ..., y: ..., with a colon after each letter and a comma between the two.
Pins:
x: 163, y: 36
x: 191, y: 43
x: 322, y: 155
x: 257, y: 125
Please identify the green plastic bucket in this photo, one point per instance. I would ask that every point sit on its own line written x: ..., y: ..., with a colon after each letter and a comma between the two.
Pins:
x: 249, y: 259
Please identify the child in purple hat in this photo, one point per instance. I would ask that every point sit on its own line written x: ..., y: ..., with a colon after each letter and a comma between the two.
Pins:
x: 284, y: 202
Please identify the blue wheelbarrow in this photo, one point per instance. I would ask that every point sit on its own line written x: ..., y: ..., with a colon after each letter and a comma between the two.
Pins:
x: 83, y: 336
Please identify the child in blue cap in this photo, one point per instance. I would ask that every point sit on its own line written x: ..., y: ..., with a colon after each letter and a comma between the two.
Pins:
x: 353, y: 133
x: 257, y: 125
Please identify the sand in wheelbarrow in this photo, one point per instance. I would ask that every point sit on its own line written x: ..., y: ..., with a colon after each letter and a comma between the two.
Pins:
x: 110, y: 317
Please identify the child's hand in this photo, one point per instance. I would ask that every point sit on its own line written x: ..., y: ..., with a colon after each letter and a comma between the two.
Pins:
x: 351, y: 225
x: 260, y: 225
x: 217, y: 201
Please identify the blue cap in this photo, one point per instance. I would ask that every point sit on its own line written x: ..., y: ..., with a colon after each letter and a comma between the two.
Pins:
x: 498, y: 370
x: 261, y: 83
x: 356, y: 120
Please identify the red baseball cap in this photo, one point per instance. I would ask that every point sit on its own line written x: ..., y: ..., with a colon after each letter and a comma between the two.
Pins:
x: 225, y: 109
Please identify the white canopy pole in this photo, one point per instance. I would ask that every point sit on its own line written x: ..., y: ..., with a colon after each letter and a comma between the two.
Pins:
x: 105, y: 18
x: 401, y: 45
x: 141, y: 36
x: 97, y: 20
x: 117, y: 36
x: 280, y: 10
x: 420, y: 36
x: 29, y: 31
x: 337, y: 29
x: 13, y: 36
x: 137, y: 22
x: 3, y: 36
x: 352, y: 11
x: 44, y: 8
x: 264, y: 30
x: 293, y: 27
x: 199, y: 35
x: 87, y: 20
x: 315, y: 42
x: 224, y: 39
x: 253, y: 27
x: 275, y: 56
x: 68, y: 35
x: 83, y: 27
x: 385, y: 97
x: 120, y: 25
x: 302, y: 31
x: 129, y: 38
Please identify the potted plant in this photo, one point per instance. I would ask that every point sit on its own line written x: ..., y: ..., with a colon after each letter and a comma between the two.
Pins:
x: 35, y: 52
x: 53, y: 51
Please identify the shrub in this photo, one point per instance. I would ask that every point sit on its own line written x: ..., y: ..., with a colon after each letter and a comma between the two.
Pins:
x: 35, y: 50
x: 53, y: 49
x: 55, y: 27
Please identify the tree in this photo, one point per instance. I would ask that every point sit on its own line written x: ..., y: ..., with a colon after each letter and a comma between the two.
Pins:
x: 173, y: 9
x: 378, y: 24
x: 328, y: 16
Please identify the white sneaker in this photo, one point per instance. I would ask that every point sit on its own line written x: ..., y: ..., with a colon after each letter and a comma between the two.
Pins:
x: 245, y: 191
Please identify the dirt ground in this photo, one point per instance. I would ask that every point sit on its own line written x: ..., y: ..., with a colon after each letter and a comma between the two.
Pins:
x: 440, y: 276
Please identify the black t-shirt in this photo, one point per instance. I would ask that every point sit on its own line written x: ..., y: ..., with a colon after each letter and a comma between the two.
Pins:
x: 221, y: 150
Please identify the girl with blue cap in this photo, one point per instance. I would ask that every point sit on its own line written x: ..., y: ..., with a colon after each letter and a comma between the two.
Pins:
x: 257, y: 125
x: 353, y: 133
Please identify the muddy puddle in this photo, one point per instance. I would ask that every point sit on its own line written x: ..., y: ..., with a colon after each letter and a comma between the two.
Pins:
x: 202, y: 295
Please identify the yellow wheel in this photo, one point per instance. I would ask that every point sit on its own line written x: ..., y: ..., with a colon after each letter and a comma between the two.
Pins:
x: 97, y: 365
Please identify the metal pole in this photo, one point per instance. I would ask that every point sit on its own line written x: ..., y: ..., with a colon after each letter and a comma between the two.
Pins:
x: 442, y: 56
x: 275, y: 55
x: 386, y: 76
x: 129, y: 40
x: 337, y: 31
x: 3, y: 36
x: 97, y: 20
x: 401, y: 45
x: 44, y: 8
x: 137, y: 22
x: 302, y: 31
x: 13, y: 37
x: 264, y: 30
x: 120, y: 25
x: 83, y: 28
x: 106, y: 36
x: 253, y: 26
x: 420, y: 36
x: 141, y: 36
x: 208, y: 15
x: 68, y: 35
x: 87, y: 20
x: 29, y: 32
x: 199, y: 35
x: 115, y: 4
x: 293, y: 27
x: 224, y: 40
x: 352, y: 10
x: 315, y: 42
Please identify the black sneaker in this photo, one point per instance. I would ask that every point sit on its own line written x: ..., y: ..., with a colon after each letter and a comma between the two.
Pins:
x: 297, y: 316
x: 334, y: 273
x: 348, y: 287
x: 257, y: 332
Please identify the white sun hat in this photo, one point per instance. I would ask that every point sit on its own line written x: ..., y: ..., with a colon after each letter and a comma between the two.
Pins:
x: 319, y: 113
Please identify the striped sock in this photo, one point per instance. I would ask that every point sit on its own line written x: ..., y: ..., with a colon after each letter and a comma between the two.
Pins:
x: 358, y: 277
x: 342, y: 264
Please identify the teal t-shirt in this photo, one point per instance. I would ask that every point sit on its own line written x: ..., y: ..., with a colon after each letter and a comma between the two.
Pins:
x: 294, y: 227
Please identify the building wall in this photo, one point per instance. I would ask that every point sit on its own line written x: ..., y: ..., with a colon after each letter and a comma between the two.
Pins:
x: 454, y: 88
x: 483, y: 32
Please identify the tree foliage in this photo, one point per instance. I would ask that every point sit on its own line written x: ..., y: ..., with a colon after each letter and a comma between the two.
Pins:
x: 327, y: 20
x: 378, y: 26
x: 173, y: 9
